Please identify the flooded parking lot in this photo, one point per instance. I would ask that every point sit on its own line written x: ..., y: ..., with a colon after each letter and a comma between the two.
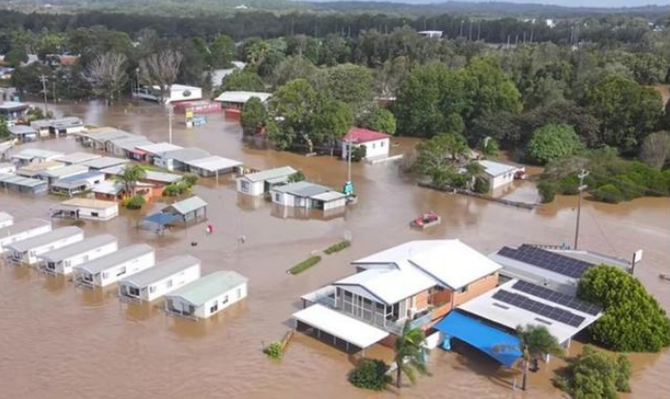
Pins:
x: 62, y: 342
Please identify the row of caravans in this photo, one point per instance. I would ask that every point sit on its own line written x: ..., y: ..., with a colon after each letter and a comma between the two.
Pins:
x: 98, y: 262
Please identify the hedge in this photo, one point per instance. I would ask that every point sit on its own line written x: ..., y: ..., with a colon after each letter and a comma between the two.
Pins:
x: 304, y: 265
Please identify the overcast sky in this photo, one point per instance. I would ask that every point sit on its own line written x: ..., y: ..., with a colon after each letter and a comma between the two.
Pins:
x: 567, y: 3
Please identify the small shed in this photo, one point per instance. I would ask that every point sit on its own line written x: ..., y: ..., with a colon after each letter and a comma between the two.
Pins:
x: 22, y: 230
x: 29, y: 250
x: 77, y: 184
x: 190, y: 209
x: 212, y: 166
x: 86, y: 208
x: 62, y: 260
x: 6, y: 220
x: 208, y: 295
x: 377, y: 144
x: 308, y: 195
x: 108, y: 269
x: 161, y: 279
x: 500, y: 174
x: 23, y: 184
x: 259, y: 183
x: 23, y: 133
x: 176, y: 159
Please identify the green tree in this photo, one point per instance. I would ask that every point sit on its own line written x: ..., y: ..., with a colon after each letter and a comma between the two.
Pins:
x: 535, y: 342
x: 4, y: 129
x: 370, y: 374
x: 290, y: 109
x: 633, y: 319
x: 254, y: 115
x: 553, y: 142
x: 628, y: 111
x: 378, y: 119
x: 329, y: 122
x: 222, y: 52
x: 488, y: 147
x: 435, y: 158
x: 15, y: 57
x: 409, y: 354
x: 595, y: 374
x: 473, y: 171
x: 351, y: 84
x: 293, y: 67
x: 130, y: 176
x: 242, y: 80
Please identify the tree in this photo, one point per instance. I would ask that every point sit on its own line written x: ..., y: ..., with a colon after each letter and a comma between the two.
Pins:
x: 222, y: 52
x: 370, y: 374
x: 15, y: 57
x: 595, y: 374
x: 254, y: 116
x: 488, y: 147
x: 109, y: 75
x: 417, y: 108
x: 290, y: 109
x: 655, y: 150
x: 242, y: 80
x: 553, y: 142
x: 473, y: 172
x: 293, y: 67
x: 329, y: 122
x: 378, y: 119
x: 435, y: 158
x: 4, y: 129
x: 633, y: 320
x: 351, y: 84
x: 628, y: 111
x: 409, y: 354
x: 161, y: 69
x: 130, y: 176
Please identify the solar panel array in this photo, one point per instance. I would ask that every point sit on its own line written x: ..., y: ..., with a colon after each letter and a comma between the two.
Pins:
x: 551, y: 261
x: 550, y: 312
x: 556, y: 297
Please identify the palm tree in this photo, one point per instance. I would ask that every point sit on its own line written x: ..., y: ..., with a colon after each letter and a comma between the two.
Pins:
x: 409, y: 352
x: 473, y: 170
x: 489, y: 147
x: 130, y: 176
x: 535, y: 342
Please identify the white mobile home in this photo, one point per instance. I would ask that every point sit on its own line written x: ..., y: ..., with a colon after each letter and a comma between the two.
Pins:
x: 86, y: 208
x: 161, y: 279
x: 110, y: 268
x: 500, y: 174
x: 22, y: 230
x: 78, y: 157
x: 259, y: 183
x: 22, y: 133
x: 50, y: 176
x: 176, y: 159
x: 7, y: 167
x: 61, y: 261
x: 212, y: 166
x: 31, y: 155
x: 6, y: 220
x: 207, y: 295
x: 77, y: 184
x: 308, y: 195
x: 29, y: 250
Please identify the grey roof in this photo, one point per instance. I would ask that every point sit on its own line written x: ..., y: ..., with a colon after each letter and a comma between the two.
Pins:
x: 208, y: 287
x: 69, y: 121
x: 104, y: 162
x: 188, y: 205
x: 4, y: 216
x: 46, y: 238
x: 78, y: 157
x: 129, y: 143
x: 21, y: 129
x: 275, y: 173
x: 64, y: 171
x: 152, y: 175
x: 30, y: 153
x: 80, y: 247
x: 497, y: 168
x: 303, y: 189
x: 106, y: 134
x: 185, y: 154
x: 11, y: 105
x: 21, y: 181
x: 161, y: 271
x: 23, y: 225
x: 115, y: 258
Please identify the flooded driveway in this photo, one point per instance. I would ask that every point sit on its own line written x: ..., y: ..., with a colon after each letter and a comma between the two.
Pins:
x: 61, y: 342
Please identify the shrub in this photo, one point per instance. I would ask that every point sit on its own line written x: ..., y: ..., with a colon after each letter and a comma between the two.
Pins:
x: 608, y: 193
x: 595, y: 374
x: 304, y: 265
x: 337, y: 247
x: 358, y: 153
x: 552, y: 142
x: 633, y: 319
x: 176, y: 189
x: 296, y: 177
x: 134, y: 202
x: 273, y: 350
x: 370, y: 374
x: 482, y: 186
x: 569, y: 185
x: 547, y: 190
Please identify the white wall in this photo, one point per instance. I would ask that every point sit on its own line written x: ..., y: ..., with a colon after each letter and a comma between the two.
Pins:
x: 66, y: 265
x: 334, y: 204
x: 159, y: 288
x: 23, y: 235
x: 502, y: 180
x: 32, y: 256
x: 223, y: 301
x: 373, y: 149
x: 253, y: 188
x: 117, y: 272
x: 178, y: 95
x: 6, y: 223
x: 103, y: 214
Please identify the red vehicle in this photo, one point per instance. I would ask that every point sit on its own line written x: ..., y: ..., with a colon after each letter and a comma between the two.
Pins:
x: 426, y: 220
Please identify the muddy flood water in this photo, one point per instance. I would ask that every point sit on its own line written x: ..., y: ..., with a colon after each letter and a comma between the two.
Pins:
x: 57, y: 341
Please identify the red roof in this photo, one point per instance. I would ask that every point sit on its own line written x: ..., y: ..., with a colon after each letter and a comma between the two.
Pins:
x: 360, y: 135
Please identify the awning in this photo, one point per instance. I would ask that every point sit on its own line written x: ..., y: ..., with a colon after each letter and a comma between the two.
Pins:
x: 161, y: 218
x: 500, y: 345
x: 343, y: 327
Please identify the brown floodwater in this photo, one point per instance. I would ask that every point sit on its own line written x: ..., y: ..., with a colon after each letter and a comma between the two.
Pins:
x: 57, y: 341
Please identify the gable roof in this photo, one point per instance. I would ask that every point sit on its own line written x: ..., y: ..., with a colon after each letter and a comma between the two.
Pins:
x: 388, y: 285
x: 494, y: 169
x: 284, y: 171
x: 78, y: 248
x: 44, y: 239
x: 188, y: 205
x: 115, y: 258
x: 198, y: 292
x: 161, y: 271
x: 213, y: 163
x: 302, y: 189
x: 361, y: 135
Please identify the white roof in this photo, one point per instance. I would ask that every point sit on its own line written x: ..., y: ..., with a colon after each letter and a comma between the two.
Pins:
x: 388, y: 286
x: 343, y: 327
x: 450, y: 263
x: 162, y: 177
x: 494, y: 169
x: 329, y: 196
x: 241, y: 97
x: 5, y: 217
x: 108, y: 187
x: 505, y: 314
x: 213, y: 163
x: 30, y: 153
x: 158, y: 148
x: 78, y: 157
x: 65, y: 171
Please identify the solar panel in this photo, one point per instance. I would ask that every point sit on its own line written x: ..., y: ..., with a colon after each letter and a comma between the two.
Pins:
x: 550, y: 312
x: 547, y: 260
x: 553, y: 296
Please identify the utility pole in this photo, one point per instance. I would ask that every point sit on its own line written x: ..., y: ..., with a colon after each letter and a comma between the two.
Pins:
x: 581, y: 188
x: 43, y: 78
x: 170, y: 113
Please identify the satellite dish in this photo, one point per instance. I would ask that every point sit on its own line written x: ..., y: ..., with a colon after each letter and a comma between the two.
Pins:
x: 186, y: 93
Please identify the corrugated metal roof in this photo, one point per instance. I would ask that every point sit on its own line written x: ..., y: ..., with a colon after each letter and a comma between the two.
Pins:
x: 104, y: 162
x: 21, y: 181
x: 284, y: 171
x: 78, y: 157
x: 303, y: 189
x: 161, y: 271
x: 46, y: 238
x: 188, y: 205
x: 80, y: 247
x: 65, y: 171
x: 21, y: 129
x: 89, y: 203
x: 152, y: 175
x: 116, y: 258
x: 23, y: 225
x: 213, y: 163
x: 241, y: 97
x: 30, y: 153
x: 159, y: 147
x: 494, y: 169
x: 208, y: 287
x: 185, y: 154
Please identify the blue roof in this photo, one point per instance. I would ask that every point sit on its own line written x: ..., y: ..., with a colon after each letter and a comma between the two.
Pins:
x: 500, y: 345
x: 161, y: 218
x: 81, y: 176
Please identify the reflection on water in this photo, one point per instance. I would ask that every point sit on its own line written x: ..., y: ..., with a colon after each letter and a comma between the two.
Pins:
x: 50, y: 329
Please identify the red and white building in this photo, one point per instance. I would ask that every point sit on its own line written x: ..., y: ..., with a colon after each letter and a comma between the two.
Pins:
x: 376, y: 144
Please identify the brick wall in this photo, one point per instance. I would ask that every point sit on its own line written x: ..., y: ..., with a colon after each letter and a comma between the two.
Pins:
x: 476, y: 289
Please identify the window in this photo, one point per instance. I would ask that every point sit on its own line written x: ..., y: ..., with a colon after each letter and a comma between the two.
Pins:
x: 214, y: 308
x: 152, y: 289
x: 95, y: 214
x: 277, y: 197
x: 169, y: 283
x: 105, y: 275
x: 224, y: 300
x: 382, y: 144
x: 239, y: 293
x: 462, y: 290
x: 133, y: 291
x: 121, y: 272
x: 244, y: 185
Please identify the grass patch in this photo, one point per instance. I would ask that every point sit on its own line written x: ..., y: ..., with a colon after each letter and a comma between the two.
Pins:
x: 150, y: 168
x: 337, y: 247
x: 304, y: 265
